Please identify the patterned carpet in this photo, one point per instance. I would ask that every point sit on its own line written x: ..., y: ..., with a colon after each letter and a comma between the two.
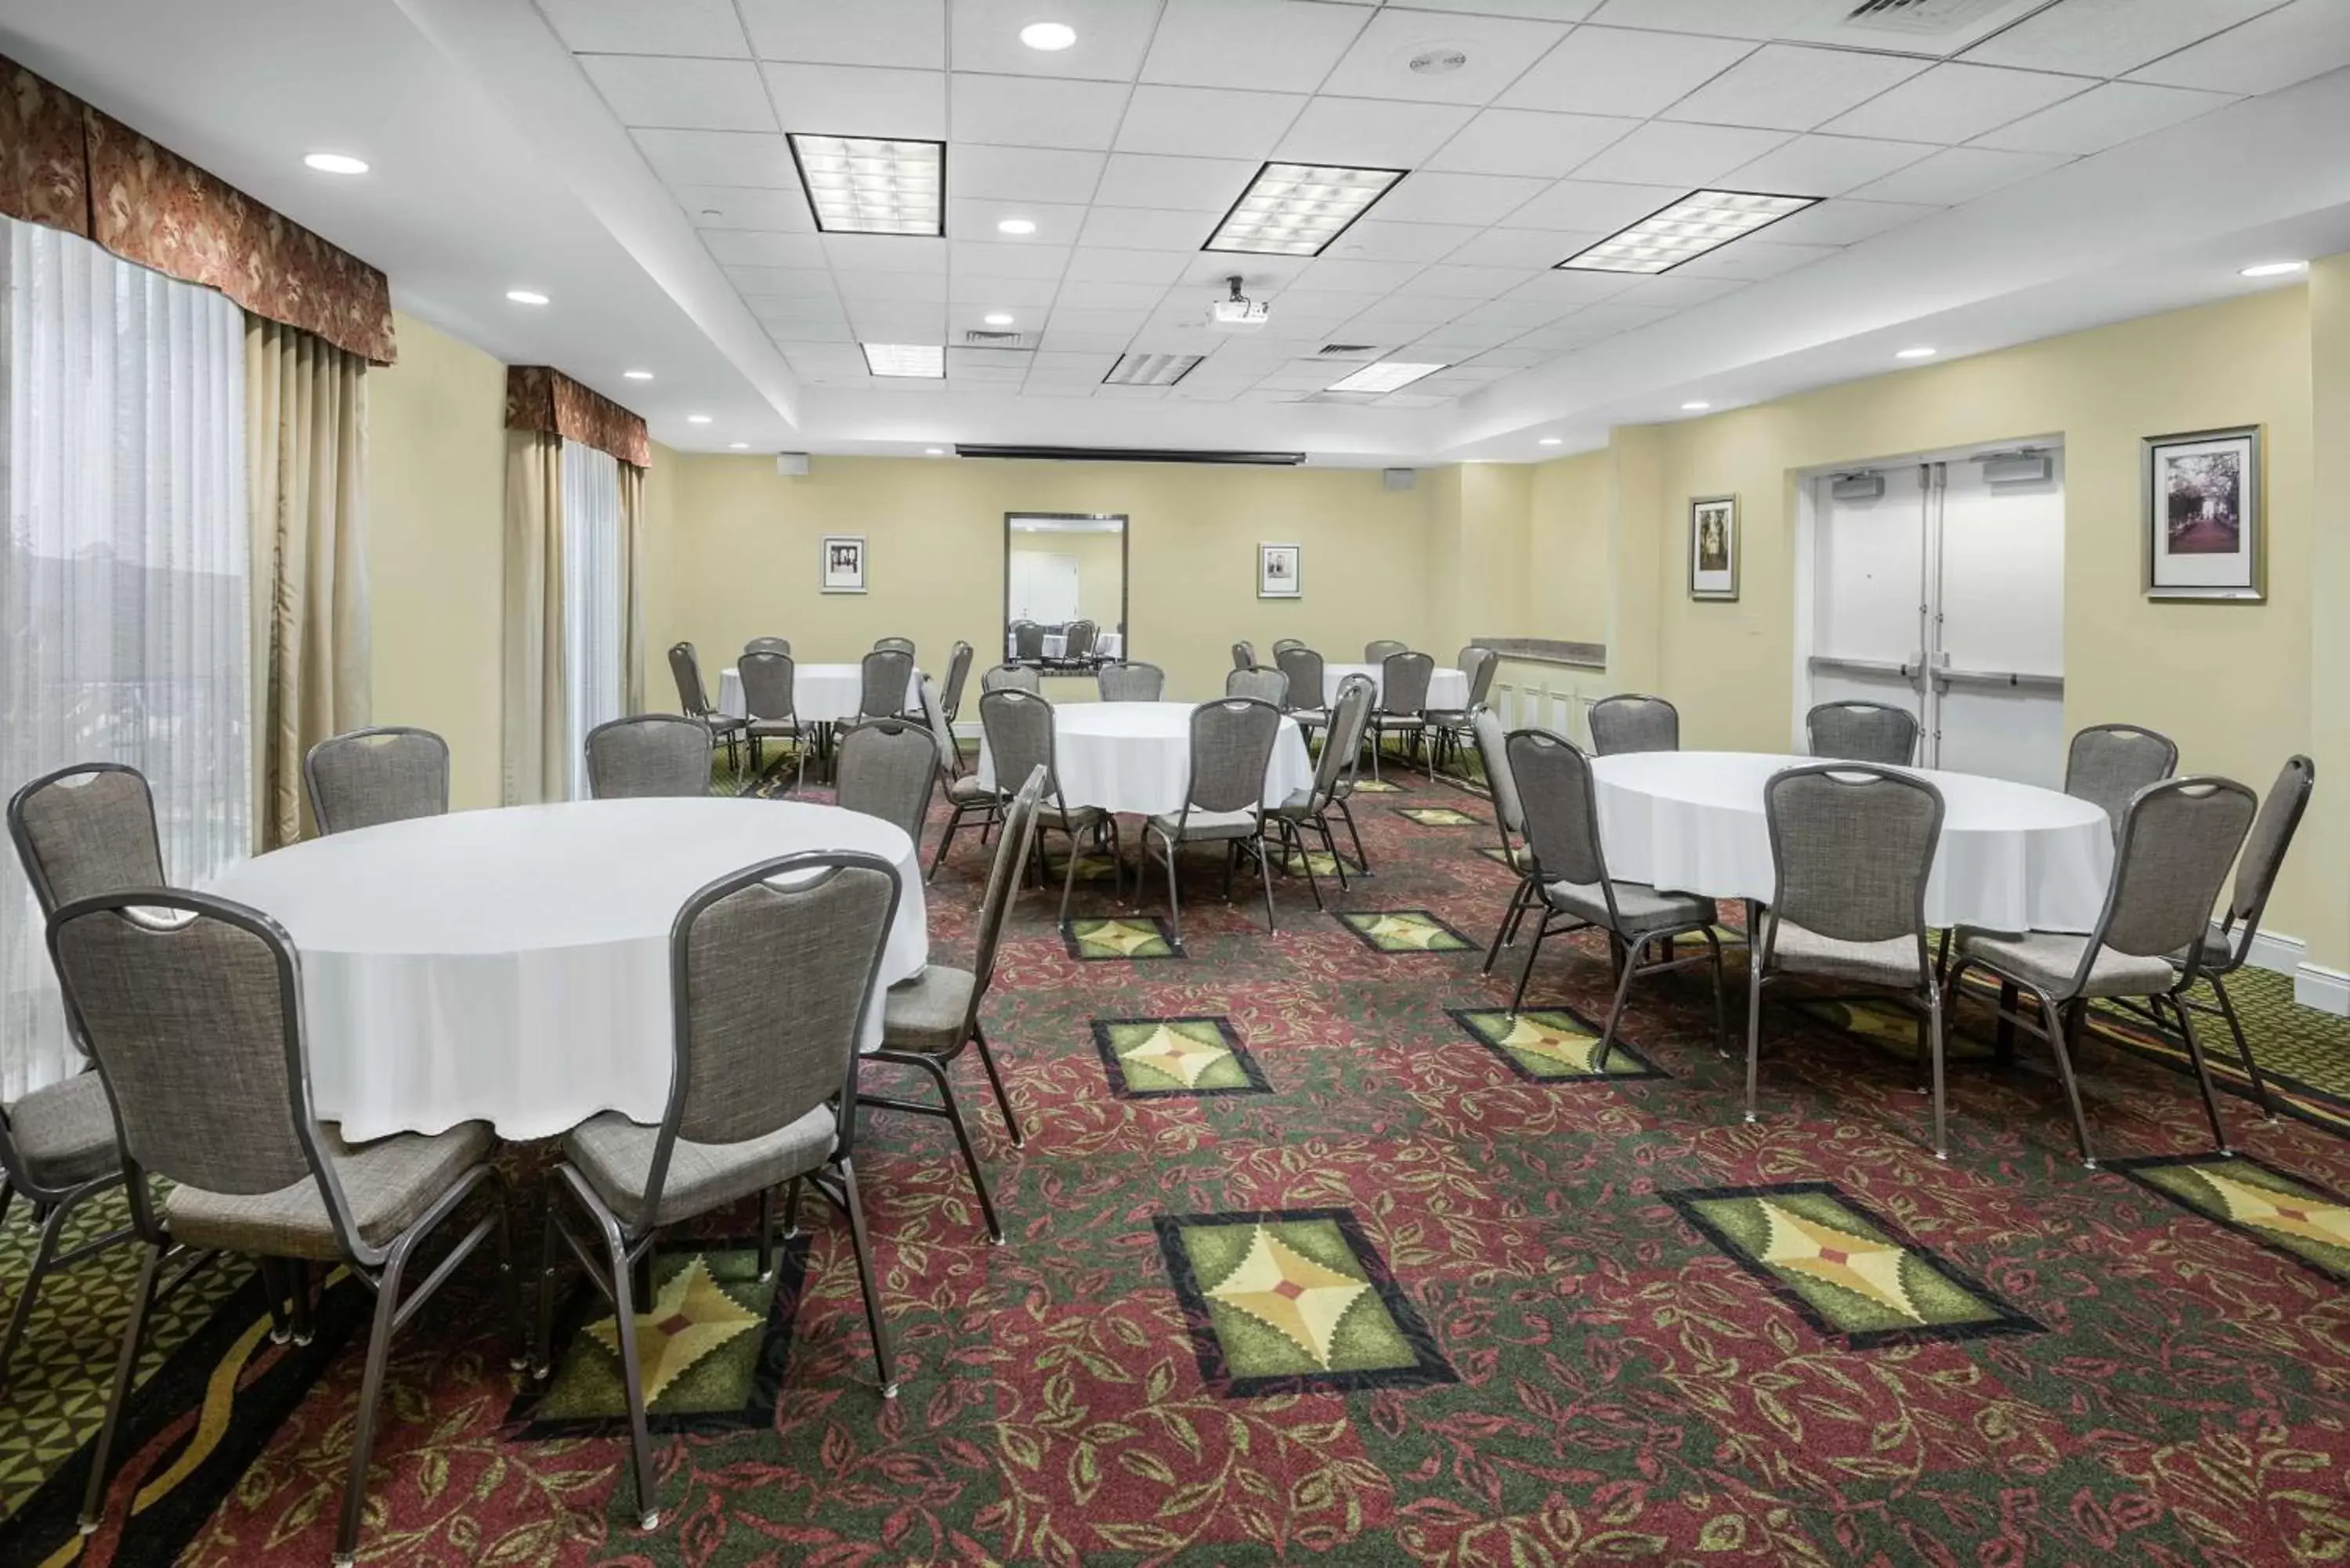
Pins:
x: 1318, y: 1255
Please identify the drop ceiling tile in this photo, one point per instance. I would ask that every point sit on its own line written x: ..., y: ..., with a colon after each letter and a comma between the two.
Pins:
x: 781, y: 281
x: 745, y: 207
x: 1147, y: 228
x: 1379, y: 240
x: 1843, y: 222
x: 1527, y: 142
x: 2289, y: 44
x: 1023, y: 298
x: 1378, y: 65
x: 1181, y: 184
x: 1662, y: 153
x: 1958, y: 174
x: 911, y: 32
x: 960, y: 357
x: 980, y: 258
x: 1677, y: 293
x: 2105, y: 115
x: 1084, y: 294
x: 1454, y: 282
x: 1824, y: 165
x: 1391, y: 318
x: 1207, y: 123
x: 1521, y: 248
x: 632, y: 27
x: 1593, y: 206
x: 786, y: 334
x: 1411, y: 400
x: 821, y: 357
x: 1613, y: 70
x: 1124, y: 394
x: 1507, y: 360
x: 1161, y: 268
x: 1729, y: 18
x: 1566, y: 290
x: 1091, y: 367
x: 1357, y: 277
x: 897, y: 321
x: 860, y: 101
x: 1022, y: 173
x: 1275, y: 45
x: 1515, y: 314
x: 1191, y: 390
x: 911, y: 287
x: 1788, y: 86
x: 981, y: 375
x: 1022, y: 111
x: 886, y: 252
x: 1057, y: 222
x: 749, y: 247
x: 1111, y: 37
x: 1258, y: 273
x: 1754, y: 259
x: 1611, y: 316
x: 1361, y: 132
x: 1294, y: 304
x: 2110, y: 37
x: 1480, y: 198
x: 1121, y: 323
x: 681, y: 94
x: 1535, y: 10
x: 799, y: 318
x: 719, y: 158
x: 1456, y: 342
x: 1950, y: 103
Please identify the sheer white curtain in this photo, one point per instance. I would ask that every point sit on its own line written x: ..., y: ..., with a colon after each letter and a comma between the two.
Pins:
x: 123, y: 582
x: 592, y: 624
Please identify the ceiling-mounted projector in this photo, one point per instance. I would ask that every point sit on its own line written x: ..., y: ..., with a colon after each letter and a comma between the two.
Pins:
x: 1238, y: 312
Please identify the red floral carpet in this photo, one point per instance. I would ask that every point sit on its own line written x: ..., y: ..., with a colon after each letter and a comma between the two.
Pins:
x: 1315, y: 1255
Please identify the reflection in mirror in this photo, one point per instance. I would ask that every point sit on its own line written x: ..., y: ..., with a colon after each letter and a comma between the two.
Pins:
x: 1063, y: 591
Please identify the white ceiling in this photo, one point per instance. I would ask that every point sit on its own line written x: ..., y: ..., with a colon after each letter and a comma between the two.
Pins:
x: 627, y: 157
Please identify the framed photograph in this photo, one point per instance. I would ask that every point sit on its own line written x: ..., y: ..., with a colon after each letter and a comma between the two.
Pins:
x: 1277, y: 572
x: 1713, y: 546
x: 2203, y: 515
x: 843, y: 563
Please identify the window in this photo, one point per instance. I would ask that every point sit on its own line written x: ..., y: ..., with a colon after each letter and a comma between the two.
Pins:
x: 591, y: 597
x: 123, y: 597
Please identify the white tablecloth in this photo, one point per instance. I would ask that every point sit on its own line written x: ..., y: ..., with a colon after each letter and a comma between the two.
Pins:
x: 821, y: 693
x: 512, y: 965
x: 1135, y: 757
x: 2012, y: 856
x: 1447, y: 688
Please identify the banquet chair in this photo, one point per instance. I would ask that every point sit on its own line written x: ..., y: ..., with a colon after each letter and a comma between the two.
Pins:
x: 966, y: 796
x: 926, y: 1020
x: 1311, y: 807
x: 2107, y: 764
x: 1243, y: 655
x: 1019, y: 726
x: 1381, y: 649
x: 1852, y: 844
x: 771, y: 972
x: 1129, y: 682
x: 1077, y: 642
x: 1223, y: 803
x: 1402, y: 707
x: 886, y: 674
x: 1307, y: 686
x: 1631, y: 723
x: 1281, y: 644
x: 768, y: 645
x: 1509, y: 820
x: 195, y: 1020
x: 1027, y: 641
x: 1450, y: 726
x: 1862, y: 733
x: 904, y: 645
x: 770, y: 703
x: 958, y: 672
x: 2178, y: 837
x: 886, y: 769
x: 1264, y: 685
x: 365, y: 778
x: 1570, y: 871
x: 647, y: 756
x: 694, y: 699
x: 78, y: 831
x: 1011, y: 678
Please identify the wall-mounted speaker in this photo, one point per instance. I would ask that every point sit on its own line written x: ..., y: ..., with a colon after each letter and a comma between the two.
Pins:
x: 1398, y: 478
x: 792, y: 465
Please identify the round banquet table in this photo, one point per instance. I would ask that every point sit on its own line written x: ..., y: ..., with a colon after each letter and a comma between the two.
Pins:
x: 1447, y: 689
x: 821, y: 693
x: 512, y: 966
x: 1135, y: 757
x: 2013, y: 857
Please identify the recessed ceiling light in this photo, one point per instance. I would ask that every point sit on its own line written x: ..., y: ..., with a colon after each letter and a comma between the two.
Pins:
x: 1548, y: 441
x: 925, y: 359
x: 697, y: 419
x: 1920, y: 352
x: 870, y: 185
x: 1698, y: 222
x: 1384, y: 376
x: 1298, y: 209
x: 638, y: 375
x: 1017, y: 226
x: 998, y: 318
x: 335, y: 163
x: 1150, y: 369
x: 738, y: 446
x: 2271, y: 269
x: 1698, y: 407
x: 525, y: 296
x: 935, y: 450
x: 1049, y: 37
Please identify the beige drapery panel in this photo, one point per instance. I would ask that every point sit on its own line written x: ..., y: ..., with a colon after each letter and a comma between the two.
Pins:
x: 305, y: 463
x: 536, y: 748
x: 632, y: 588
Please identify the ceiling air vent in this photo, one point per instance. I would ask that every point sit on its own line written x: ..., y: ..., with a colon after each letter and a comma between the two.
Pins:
x: 1346, y: 351
x: 978, y: 338
x: 1918, y: 17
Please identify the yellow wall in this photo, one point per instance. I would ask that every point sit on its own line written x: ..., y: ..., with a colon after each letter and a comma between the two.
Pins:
x: 1566, y: 545
x: 2324, y: 845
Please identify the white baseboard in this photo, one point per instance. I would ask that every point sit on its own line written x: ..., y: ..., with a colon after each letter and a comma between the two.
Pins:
x: 2280, y: 953
x: 2326, y: 990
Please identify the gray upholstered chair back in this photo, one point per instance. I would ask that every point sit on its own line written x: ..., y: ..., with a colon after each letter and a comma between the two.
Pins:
x: 887, y: 671
x: 1852, y: 844
x: 768, y: 645
x: 2271, y: 835
x: 770, y: 683
x: 771, y: 970
x: 86, y: 830
x: 1378, y: 650
x: 1010, y: 677
x: 1131, y: 682
x: 958, y: 672
x: 1013, y: 845
x: 942, y: 739
x: 1264, y: 685
x: 1078, y: 639
x: 1019, y: 726
x: 1862, y: 733
x: 1281, y: 644
x: 1631, y: 723
x: 1028, y: 640
x: 1403, y: 684
x: 1342, y: 751
x: 1307, y: 680
x: 1477, y: 663
x: 1494, y: 750
x: 887, y: 768
x: 1232, y: 745
x: 692, y: 696
x: 2109, y: 764
x: 1244, y: 655
x: 649, y: 755
x: 1560, y: 807
x: 904, y: 645
x: 2179, y: 839
x: 369, y: 777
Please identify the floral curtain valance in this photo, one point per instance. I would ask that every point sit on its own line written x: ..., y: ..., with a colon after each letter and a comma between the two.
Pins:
x: 65, y: 165
x: 541, y: 398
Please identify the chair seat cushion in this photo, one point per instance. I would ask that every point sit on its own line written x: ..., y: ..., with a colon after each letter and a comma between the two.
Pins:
x: 389, y: 1183
x: 1639, y: 907
x: 2046, y: 960
x: 1208, y: 824
x: 969, y: 791
x: 1299, y: 806
x: 774, y: 729
x: 722, y: 722
x: 928, y: 1013
x: 65, y: 1132
x: 1310, y: 717
x: 1895, y: 961
x: 2218, y: 954
x: 615, y: 1155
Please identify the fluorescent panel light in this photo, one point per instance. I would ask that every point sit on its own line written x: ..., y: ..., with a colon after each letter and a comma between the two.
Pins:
x: 1384, y: 376
x: 1698, y: 222
x: 869, y: 185
x: 907, y: 360
x: 998, y: 318
x: 1298, y: 209
x: 1150, y: 369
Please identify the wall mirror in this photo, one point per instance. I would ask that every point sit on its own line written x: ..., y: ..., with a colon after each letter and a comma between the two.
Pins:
x: 1063, y: 591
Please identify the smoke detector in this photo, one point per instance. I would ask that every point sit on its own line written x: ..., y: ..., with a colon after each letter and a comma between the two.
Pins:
x: 1237, y: 312
x: 1441, y: 60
